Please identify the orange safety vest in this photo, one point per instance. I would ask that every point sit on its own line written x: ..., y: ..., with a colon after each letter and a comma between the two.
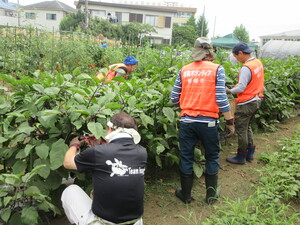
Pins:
x: 112, y: 72
x: 256, y: 85
x: 198, y: 93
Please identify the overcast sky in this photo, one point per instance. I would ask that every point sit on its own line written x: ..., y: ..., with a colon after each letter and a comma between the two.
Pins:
x: 259, y: 17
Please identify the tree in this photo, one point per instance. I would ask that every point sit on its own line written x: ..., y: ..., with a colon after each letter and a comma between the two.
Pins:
x: 241, y: 33
x: 133, y: 32
x: 192, y: 21
x: 183, y: 35
x: 72, y: 21
x: 202, y: 27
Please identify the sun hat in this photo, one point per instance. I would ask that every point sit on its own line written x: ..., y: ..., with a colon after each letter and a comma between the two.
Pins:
x: 130, y: 60
x: 202, y: 49
x: 241, y: 47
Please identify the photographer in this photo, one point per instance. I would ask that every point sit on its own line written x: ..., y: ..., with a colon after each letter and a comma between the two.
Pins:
x: 118, y: 177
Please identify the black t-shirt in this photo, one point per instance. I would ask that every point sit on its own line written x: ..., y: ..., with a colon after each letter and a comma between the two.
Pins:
x: 118, y: 178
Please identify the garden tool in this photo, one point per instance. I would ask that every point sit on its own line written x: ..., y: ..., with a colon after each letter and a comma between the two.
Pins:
x: 184, y: 193
x: 211, y: 183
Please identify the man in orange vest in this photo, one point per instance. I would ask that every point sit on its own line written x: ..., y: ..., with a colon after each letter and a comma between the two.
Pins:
x: 249, y: 97
x: 120, y: 69
x: 200, y: 92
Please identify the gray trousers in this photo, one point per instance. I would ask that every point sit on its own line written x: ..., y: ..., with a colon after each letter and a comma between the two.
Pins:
x: 243, y: 116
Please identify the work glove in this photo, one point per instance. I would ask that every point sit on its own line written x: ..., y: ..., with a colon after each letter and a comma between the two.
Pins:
x: 230, y: 127
x: 76, y: 142
x: 91, y: 141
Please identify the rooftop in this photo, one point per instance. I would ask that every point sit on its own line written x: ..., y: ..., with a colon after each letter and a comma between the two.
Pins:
x: 293, y: 33
x: 53, y: 5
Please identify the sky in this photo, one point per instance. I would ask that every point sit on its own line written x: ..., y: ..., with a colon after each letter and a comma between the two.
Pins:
x: 259, y: 17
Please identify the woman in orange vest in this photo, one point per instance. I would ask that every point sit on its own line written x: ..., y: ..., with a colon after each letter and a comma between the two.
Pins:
x: 200, y: 92
x: 120, y: 69
x: 249, y: 97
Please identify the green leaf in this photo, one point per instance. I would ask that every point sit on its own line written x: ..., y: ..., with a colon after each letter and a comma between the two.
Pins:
x: 158, y: 161
x: 132, y: 101
x: 83, y: 76
x: 15, y: 219
x: 38, y: 87
x: 146, y: 120
x: 51, y: 91
x: 45, y: 171
x: 42, y: 151
x: 79, y: 98
x: 3, y: 139
x: 57, y: 153
x: 48, y: 121
x: 6, y: 200
x: 19, y: 166
x: 6, y: 212
x: 169, y: 113
x: 29, y: 216
x: 32, y: 173
x: 113, y: 105
x: 159, y: 149
x: 32, y: 191
x: 96, y: 129
x: 11, y: 179
x: 76, y: 71
x: 50, y: 111
x: 59, y: 79
x: 41, y: 99
x: 198, y: 170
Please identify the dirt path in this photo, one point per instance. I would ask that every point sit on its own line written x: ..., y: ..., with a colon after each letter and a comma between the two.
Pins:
x: 236, y: 181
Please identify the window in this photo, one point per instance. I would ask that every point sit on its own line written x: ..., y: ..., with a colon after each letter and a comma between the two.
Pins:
x: 168, y: 22
x: 50, y: 16
x: 151, y: 20
x: 133, y: 17
x: 30, y: 15
x: 98, y: 13
x: 183, y: 14
x: 119, y: 16
x: 166, y: 41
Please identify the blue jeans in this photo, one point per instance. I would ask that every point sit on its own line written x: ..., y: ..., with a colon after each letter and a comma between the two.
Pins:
x: 189, y: 135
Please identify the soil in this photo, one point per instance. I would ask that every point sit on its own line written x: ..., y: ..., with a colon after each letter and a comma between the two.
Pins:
x: 235, y: 181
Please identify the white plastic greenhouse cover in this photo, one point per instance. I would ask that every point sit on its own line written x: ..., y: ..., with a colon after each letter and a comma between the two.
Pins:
x: 280, y: 49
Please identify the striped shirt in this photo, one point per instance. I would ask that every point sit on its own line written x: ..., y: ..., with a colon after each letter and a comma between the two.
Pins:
x: 221, y: 97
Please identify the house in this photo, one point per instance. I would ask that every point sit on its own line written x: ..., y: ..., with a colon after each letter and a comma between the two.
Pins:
x: 160, y: 17
x: 45, y: 15
x: 285, y: 36
x: 8, y: 13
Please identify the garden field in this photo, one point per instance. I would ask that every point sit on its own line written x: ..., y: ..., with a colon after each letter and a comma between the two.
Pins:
x: 50, y: 94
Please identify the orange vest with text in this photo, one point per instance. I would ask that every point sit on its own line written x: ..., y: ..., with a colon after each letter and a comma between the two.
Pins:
x: 112, y: 72
x: 198, y: 93
x: 256, y: 85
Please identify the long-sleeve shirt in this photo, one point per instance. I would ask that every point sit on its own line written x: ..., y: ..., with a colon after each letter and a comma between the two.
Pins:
x: 221, y: 97
x: 244, y: 80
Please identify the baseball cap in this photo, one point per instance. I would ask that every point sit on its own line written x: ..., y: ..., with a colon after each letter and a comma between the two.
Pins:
x: 241, y: 47
x: 202, y: 49
x: 130, y: 60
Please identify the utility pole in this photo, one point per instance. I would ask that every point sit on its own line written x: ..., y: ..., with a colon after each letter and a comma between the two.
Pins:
x: 18, y: 11
x: 202, y: 28
x: 86, y: 13
x: 214, y: 26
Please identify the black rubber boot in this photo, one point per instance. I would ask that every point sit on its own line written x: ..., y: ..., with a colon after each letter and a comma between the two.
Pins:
x: 250, y: 153
x: 240, y: 158
x: 184, y: 193
x: 211, y: 183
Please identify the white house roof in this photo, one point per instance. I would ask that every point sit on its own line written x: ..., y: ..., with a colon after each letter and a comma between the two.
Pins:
x: 51, y: 5
x: 141, y: 7
x: 293, y: 33
x: 4, y: 5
